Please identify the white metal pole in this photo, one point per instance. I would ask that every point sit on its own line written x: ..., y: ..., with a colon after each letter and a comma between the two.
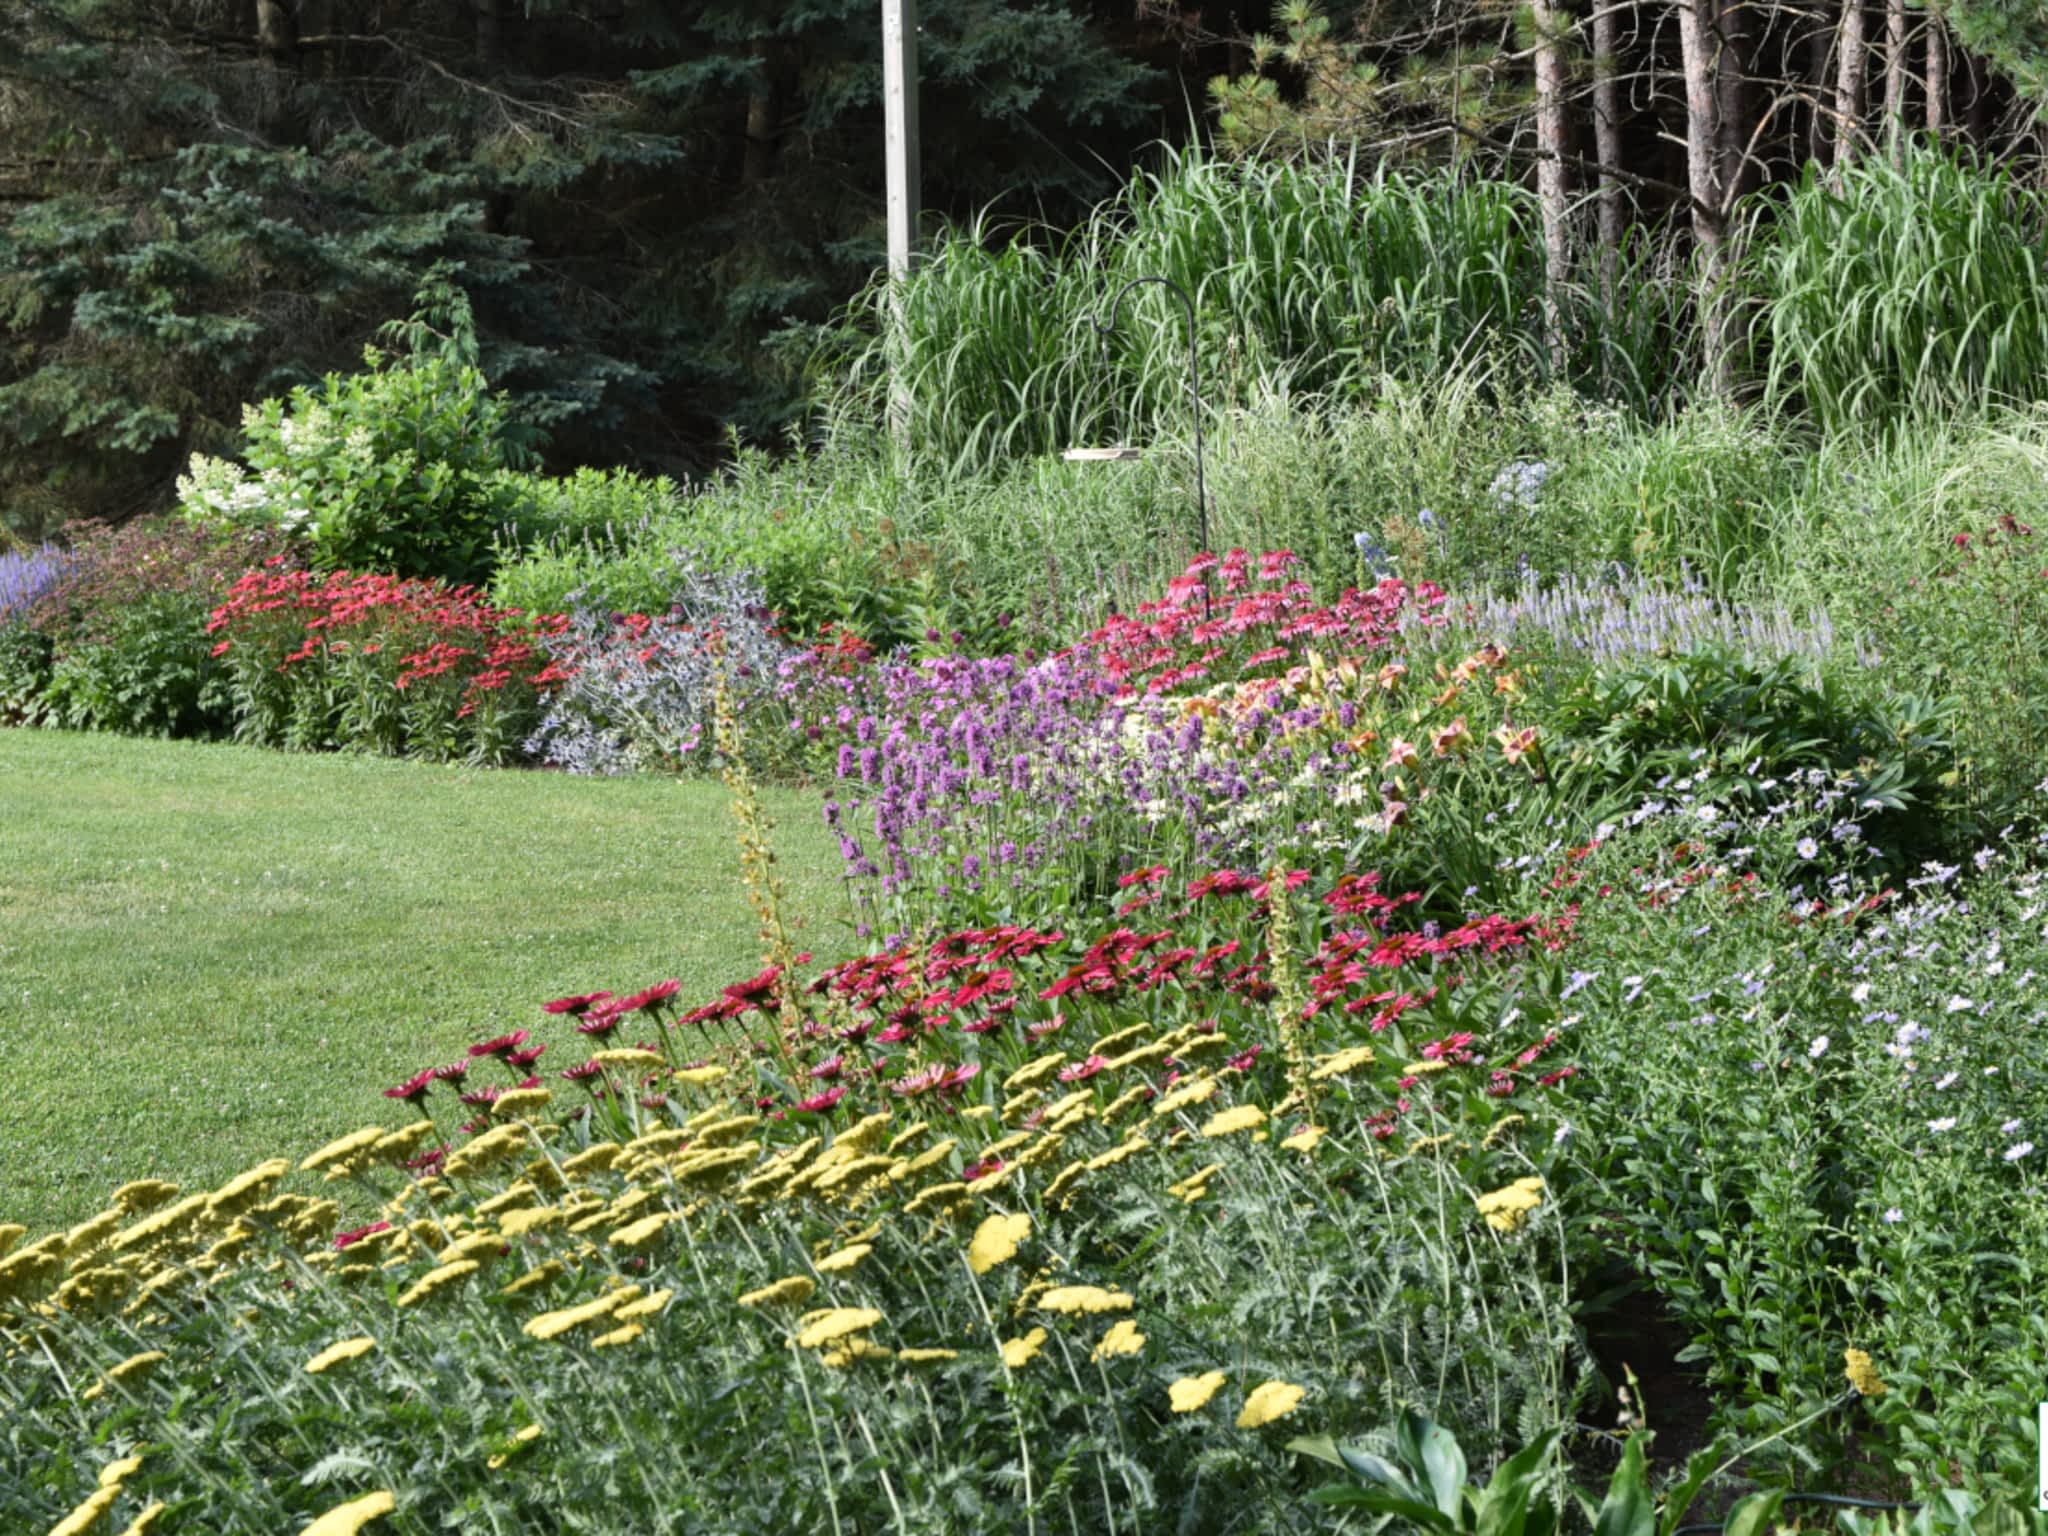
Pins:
x: 899, y: 112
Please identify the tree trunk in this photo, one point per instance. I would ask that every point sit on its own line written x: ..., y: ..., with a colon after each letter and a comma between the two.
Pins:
x: 277, y: 32
x: 1895, y: 77
x: 1735, y: 99
x: 1696, y: 50
x: 1937, y: 76
x: 1819, y: 73
x: 1607, y: 140
x: 490, y: 37
x: 1551, y: 192
x: 1849, y: 66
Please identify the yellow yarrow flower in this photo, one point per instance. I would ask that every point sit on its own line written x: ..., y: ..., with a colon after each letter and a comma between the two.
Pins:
x: 793, y: 1292
x: 1193, y: 1392
x: 1020, y: 1352
x: 438, y: 1279
x: 697, y: 1077
x: 136, y: 1199
x: 1195, y: 1185
x: 1131, y: 1147
x: 627, y: 1056
x: 12, y: 1232
x: 1305, y: 1140
x: 927, y: 1356
x: 1063, y: 1182
x: 340, y: 1354
x: 1341, y: 1062
x: 1240, y: 1117
x: 1032, y: 1073
x: 1424, y: 1068
x: 845, y: 1259
x: 551, y: 1325
x: 87, y: 1515
x: 145, y: 1522
x: 115, y: 1473
x: 1198, y: 1091
x: 644, y: 1231
x: 1505, y: 1209
x: 519, y: 1101
x: 341, y: 1149
x: 592, y: 1159
x: 1123, y: 1338
x: 404, y: 1141
x: 1084, y: 1298
x: 1862, y: 1374
x: 996, y: 1241
x: 533, y: 1279
x: 347, y: 1519
x: 617, y: 1336
x: 646, y: 1306
x: 1270, y: 1400
x: 245, y: 1190
x: 836, y: 1323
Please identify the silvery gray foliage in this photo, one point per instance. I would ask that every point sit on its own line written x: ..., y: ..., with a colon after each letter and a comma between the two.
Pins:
x: 642, y: 688
x: 1631, y: 616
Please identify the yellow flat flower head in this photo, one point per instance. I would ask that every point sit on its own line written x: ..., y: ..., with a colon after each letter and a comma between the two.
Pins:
x: 646, y: 1306
x: 1018, y: 1353
x: 837, y: 1323
x: 1239, y: 1117
x: 1862, y: 1374
x: 340, y: 1354
x: 845, y: 1259
x: 347, y: 1519
x: 1193, y: 1392
x: 697, y: 1077
x: 1270, y: 1400
x: 1084, y: 1298
x: 617, y: 1336
x: 1338, y: 1064
x: 1123, y: 1338
x: 996, y: 1241
x: 145, y: 1522
x: 793, y: 1292
x: 927, y: 1356
x: 1305, y: 1140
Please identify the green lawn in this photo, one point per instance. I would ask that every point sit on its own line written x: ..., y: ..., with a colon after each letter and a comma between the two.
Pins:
x: 210, y: 955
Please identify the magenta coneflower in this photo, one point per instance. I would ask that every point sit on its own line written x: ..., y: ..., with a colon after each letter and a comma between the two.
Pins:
x: 454, y: 1072
x: 653, y: 997
x: 504, y: 1045
x: 413, y: 1089
x: 576, y: 1005
x: 602, y: 1021
x: 819, y: 1103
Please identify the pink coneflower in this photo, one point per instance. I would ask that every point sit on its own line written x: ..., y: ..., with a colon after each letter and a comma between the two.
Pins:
x: 818, y: 1104
x: 652, y: 997
x: 576, y: 1005
x: 600, y: 1021
x: 504, y: 1045
x: 413, y: 1089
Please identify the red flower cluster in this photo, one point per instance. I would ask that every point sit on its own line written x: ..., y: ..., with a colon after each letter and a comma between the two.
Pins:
x: 1185, y: 638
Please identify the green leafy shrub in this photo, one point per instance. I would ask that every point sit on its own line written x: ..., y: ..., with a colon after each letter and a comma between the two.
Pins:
x: 394, y: 468
x: 124, y: 630
x: 1736, y: 728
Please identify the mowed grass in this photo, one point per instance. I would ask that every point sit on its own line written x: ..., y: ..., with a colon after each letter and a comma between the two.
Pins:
x: 210, y: 955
